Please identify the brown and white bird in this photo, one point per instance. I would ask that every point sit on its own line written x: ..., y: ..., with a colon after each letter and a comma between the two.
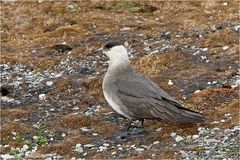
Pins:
x: 137, y: 97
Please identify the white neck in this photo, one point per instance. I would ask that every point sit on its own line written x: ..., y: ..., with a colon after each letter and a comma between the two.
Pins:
x: 118, y: 56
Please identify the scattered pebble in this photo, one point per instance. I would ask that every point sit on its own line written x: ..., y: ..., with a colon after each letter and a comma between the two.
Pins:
x: 49, y: 83
x: 205, y: 49
x: 139, y: 149
x: 173, y: 134
x: 102, y: 148
x: 88, y: 145
x: 170, y: 83
x: 225, y: 47
x: 42, y: 96
x: 195, y: 136
x: 179, y: 138
x: 158, y: 130
x: 79, y: 148
x: 197, y: 91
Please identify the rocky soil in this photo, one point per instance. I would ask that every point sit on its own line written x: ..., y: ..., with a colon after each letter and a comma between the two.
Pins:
x: 52, y: 66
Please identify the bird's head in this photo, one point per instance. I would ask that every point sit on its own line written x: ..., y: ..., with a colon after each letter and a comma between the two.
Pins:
x: 116, y: 52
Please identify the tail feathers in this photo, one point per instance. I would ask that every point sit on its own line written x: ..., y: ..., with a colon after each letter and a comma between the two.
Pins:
x: 188, y: 116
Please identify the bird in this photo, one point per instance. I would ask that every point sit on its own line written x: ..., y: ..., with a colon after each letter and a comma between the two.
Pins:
x: 136, y: 97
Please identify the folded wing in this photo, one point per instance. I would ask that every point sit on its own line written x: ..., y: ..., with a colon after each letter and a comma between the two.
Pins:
x: 146, y: 100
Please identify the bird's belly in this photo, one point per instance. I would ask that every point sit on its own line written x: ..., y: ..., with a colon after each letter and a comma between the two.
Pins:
x: 113, y: 104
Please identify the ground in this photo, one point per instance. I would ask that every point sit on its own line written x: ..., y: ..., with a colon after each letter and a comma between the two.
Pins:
x: 52, y: 66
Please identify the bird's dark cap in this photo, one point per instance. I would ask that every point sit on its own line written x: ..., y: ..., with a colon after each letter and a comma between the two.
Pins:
x: 109, y: 44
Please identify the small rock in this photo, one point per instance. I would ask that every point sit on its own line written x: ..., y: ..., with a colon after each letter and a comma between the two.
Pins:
x: 106, y: 144
x: 212, y: 140
x: 179, y: 138
x: 156, y: 142
x: 85, y: 129
x: 113, y: 153
x: 214, y: 82
x: 195, y: 136
x: 7, y: 99
x: 197, y: 91
x: 7, y: 156
x: 125, y: 29
x: 236, y: 128
x: 139, y: 149
x: 225, y: 47
x: 79, y: 148
x: 174, y: 145
x: 147, y: 49
x: 88, y: 145
x: 225, y: 3
x: 49, y: 83
x: 173, y: 134
x: 214, y: 122
x: 42, y: 96
x: 170, y: 83
x: 222, y: 120
x: 237, y: 27
x: 204, y: 57
x: 205, y: 49
x: 120, y: 148
x: 102, y: 148
x: 158, y: 130
x: 63, y: 135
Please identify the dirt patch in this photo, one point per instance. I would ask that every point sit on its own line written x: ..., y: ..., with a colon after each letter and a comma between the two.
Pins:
x: 15, y: 113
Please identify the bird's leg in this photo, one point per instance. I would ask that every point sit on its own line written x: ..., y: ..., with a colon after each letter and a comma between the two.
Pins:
x: 142, y: 122
x: 129, y: 124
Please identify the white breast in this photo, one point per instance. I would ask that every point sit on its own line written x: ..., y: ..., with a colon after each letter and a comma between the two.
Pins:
x: 114, y: 105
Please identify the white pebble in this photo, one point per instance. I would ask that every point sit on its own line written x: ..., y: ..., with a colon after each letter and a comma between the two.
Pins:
x: 49, y: 83
x: 79, y: 148
x: 147, y: 49
x: 42, y: 96
x: 222, y: 120
x: 88, y: 145
x: 102, y: 148
x: 139, y: 149
x: 113, y: 153
x: 170, y: 83
x: 120, y: 148
x: 204, y: 57
x: 214, y: 82
x: 158, y: 130
x: 7, y: 156
x: 195, y: 136
x: 179, y: 138
x: 225, y: 3
x: 173, y: 134
x: 156, y: 142
x: 85, y: 129
x: 106, y: 144
x: 225, y: 47
x: 197, y: 91
x: 94, y: 134
x: 214, y: 122
x: 174, y: 145
x: 63, y: 134
x: 237, y: 27
x: 205, y: 49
